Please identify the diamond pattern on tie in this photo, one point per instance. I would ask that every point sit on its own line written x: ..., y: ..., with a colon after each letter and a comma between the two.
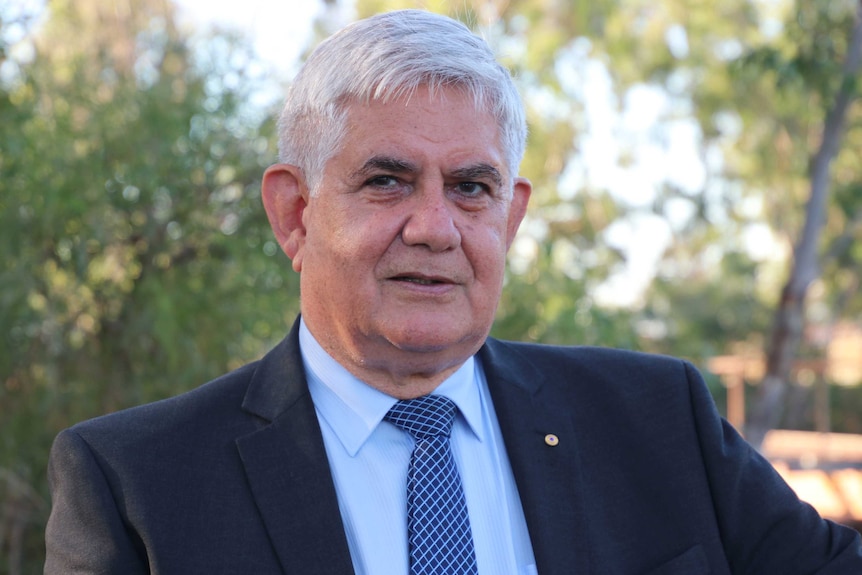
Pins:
x: 438, y: 527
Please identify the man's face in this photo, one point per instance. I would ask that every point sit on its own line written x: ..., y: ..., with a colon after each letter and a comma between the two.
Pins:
x: 402, y: 249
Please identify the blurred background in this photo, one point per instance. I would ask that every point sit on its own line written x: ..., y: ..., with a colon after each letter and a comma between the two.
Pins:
x: 697, y: 167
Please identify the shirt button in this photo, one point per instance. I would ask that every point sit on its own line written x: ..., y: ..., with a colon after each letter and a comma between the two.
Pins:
x: 552, y: 439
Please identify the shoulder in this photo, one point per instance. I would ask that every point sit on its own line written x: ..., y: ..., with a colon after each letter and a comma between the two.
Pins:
x: 154, y: 450
x: 597, y: 379
x: 587, y: 363
x: 581, y: 353
x: 182, y: 416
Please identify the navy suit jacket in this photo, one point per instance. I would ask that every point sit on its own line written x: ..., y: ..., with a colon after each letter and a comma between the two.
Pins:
x: 232, y: 477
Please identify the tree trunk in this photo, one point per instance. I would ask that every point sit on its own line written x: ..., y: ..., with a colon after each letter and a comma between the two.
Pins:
x: 790, y: 316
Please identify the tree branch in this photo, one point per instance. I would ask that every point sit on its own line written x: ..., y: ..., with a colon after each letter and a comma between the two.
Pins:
x: 789, y: 317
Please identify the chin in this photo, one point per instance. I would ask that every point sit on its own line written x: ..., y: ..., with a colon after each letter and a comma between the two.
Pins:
x: 433, y: 338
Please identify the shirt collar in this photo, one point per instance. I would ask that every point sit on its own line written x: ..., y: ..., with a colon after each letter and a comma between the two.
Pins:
x: 353, y: 409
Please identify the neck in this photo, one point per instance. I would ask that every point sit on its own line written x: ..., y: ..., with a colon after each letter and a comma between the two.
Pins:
x: 400, y: 373
x: 404, y: 385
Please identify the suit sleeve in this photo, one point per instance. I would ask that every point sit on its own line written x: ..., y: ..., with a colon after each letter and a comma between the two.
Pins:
x: 765, y: 527
x: 86, y: 533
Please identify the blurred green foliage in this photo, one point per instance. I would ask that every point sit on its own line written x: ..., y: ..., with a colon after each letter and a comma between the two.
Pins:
x: 136, y: 261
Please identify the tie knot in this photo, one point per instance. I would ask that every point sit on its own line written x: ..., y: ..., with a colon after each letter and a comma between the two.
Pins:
x: 424, y: 416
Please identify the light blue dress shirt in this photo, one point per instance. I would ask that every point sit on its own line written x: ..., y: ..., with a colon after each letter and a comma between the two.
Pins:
x: 369, y: 459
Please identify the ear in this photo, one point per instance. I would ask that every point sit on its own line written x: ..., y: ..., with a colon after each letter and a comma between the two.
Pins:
x: 521, y: 190
x: 285, y: 197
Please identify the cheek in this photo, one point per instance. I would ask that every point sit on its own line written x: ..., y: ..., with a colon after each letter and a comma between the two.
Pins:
x: 349, y: 258
x: 334, y: 235
x: 366, y: 236
x: 485, y: 245
x: 356, y: 248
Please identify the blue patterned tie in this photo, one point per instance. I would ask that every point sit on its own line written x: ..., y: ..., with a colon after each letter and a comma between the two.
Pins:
x: 438, y: 527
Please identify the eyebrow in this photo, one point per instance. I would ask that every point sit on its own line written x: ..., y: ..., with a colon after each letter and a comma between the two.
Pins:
x: 479, y: 172
x: 386, y: 164
x: 398, y: 166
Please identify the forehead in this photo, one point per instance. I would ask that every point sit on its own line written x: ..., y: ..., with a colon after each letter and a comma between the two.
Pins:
x: 444, y: 125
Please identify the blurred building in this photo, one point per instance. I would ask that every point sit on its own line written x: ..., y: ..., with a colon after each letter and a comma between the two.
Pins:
x: 824, y: 468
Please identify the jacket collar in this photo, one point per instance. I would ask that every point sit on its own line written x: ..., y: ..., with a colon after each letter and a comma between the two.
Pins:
x: 287, y: 469
x: 288, y: 472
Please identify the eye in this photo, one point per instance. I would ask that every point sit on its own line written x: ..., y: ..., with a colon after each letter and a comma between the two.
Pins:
x: 382, y: 182
x: 471, y: 188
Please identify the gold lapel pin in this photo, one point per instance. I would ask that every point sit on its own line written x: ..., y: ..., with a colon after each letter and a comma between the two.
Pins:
x: 551, y: 439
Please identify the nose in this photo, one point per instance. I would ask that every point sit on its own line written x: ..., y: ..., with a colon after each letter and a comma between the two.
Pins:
x: 431, y: 222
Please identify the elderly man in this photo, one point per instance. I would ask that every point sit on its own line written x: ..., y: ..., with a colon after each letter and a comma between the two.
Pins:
x: 388, y: 434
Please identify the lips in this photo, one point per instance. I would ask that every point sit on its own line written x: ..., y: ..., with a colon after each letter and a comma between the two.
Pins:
x: 422, y: 280
x: 425, y: 281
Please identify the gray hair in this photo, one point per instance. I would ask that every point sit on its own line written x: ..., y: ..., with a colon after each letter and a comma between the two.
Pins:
x: 386, y: 57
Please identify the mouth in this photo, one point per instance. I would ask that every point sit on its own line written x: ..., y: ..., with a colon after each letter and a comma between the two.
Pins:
x: 420, y: 280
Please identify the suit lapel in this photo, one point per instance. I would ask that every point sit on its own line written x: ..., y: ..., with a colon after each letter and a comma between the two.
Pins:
x: 289, y: 476
x: 287, y: 469
x: 548, y: 476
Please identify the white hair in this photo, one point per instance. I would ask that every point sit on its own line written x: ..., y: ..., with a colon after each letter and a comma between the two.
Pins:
x: 386, y: 57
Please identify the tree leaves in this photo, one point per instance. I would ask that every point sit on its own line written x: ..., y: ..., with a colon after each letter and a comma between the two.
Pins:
x: 135, y: 257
